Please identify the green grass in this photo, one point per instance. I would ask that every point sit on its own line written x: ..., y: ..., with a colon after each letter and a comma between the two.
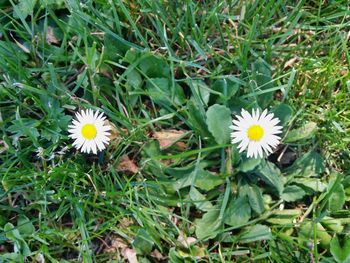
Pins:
x: 160, y: 65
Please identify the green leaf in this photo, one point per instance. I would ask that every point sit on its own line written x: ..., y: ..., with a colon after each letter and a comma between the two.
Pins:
x: 143, y: 242
x: 255, y: 198
x: 283, y: 112
x: 160, y: 92
x: 310, y: 164
x: 197, y: 120
x: 307, y: 231
x: 219, y: 121
x: 208, y: 226
x: 133, y: 80
x: 200, y: 178
x: 200, y: 92
x: 114, y: 48
x: 206, y: 180
x: 227, y: 87
x: 12, y: 257
x: 199, y: 200
x: 256, y: 233
x: 25, y: 226
x: 292, y: 193
x: 14, y: 235
x: 333, y: 224
x: 341, y: 253
x: 248, y: 164
x: 174, y: 257
x: 154, y: 66
x: 269, y: 173
x: 263, y: 81
x: 284, y: 217
x: 12, y: 232
x: 337, y: 199
x: 238, y: 212
x: 315, y: 184
x: 25, y: 8
x: 302, y: 133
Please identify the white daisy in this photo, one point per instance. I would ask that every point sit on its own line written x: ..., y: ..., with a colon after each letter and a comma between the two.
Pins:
x: 89, y: 131
x: 256, y: 132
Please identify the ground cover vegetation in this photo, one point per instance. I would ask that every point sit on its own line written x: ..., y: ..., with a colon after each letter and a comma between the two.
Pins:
x: 170, y: 76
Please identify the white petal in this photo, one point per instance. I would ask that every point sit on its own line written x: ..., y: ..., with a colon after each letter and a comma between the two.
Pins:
x: 93, y: 146
x: 236, y: 140
x: 243, y: 145
x: 263, y: 115
x: 261, y: 155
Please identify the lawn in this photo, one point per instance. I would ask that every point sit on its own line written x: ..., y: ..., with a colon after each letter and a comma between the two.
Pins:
x: 171, y: 76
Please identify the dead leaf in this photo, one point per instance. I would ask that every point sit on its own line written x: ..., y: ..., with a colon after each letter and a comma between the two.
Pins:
x: 117, y: 244
x: 39, y: 258
x: 125, y: 222
x: 186, y: 241
x: 167, y: 138
x: 115, y: 134
x: 130, y: 254
x: 50, y: 36
x: 3, y: 146
x: 291, y: 62
x: 121, y: 246
x: 156, y: 254
x: 127, y: 165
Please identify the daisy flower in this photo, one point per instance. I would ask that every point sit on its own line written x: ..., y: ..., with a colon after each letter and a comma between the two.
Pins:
x: 89, y: 131
x: 256, y: 132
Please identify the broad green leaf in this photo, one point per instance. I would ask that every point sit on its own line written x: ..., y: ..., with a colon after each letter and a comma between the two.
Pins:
x: 174, y: 257
x: 160, y: 92
x: 307, y: 231
x: 12, y: 232
x: 238, y: 212
x: 337, y: 198
x: 197, y: 120
x: 183, y: 182
x: 200, y: 178
x: 314, y: 184
x: 154, y: 67
x: 263, y: 81
x: 209, y: 225
x: 24, y: 8
x: 133, y: 80
x: 199, y: 200
x: 227, y: 88
x: 256, y: 233
x: 255, y: 198
x: 132, y: 55
x: 151, y: 149
x: 114, y: 48
x: 143, y: 242
x: 200, y: 92
x: 20, y: 246
x: 310, y: 164
x: 302, y: 133
x: 271, y: 175
x: 333, y: 224
x: 25, y: 226
x: 292, y: 193
x: 219, y: 121
x: 284, y: 217
x: 283, y: 112
x: 341, y: 253
x: 12, y: 257
x: 206, y: 180
x: 248, y: 164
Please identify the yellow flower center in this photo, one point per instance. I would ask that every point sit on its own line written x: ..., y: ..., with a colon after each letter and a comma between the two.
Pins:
x: 255, y: 132
x: 88, y: 131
